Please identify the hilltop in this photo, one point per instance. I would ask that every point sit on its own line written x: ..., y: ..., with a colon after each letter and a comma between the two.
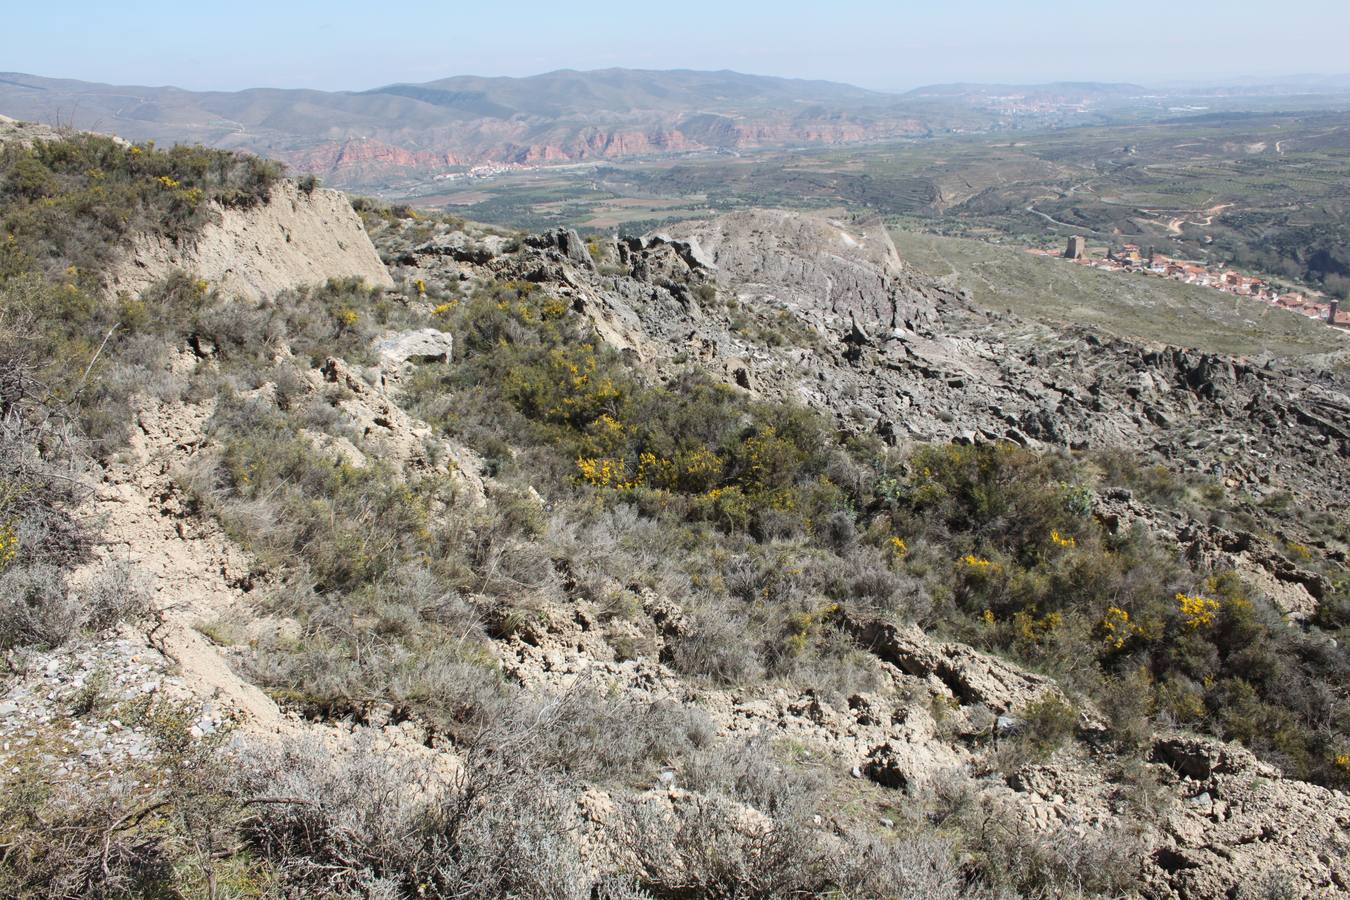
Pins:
x: 740, y: 558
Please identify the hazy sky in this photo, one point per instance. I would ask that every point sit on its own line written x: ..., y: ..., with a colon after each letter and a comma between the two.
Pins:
x: 885, y: 44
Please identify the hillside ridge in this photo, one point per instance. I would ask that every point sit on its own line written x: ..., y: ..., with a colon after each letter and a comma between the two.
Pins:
x: 736, y: 558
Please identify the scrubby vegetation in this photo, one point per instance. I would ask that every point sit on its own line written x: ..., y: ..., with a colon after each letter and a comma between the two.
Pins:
x: 1039, y: 577
x: 69, y: 204
x: 202, y: 819
x: 42, y: 452
x: 67, y: 208
x: 728, y: 536
x: 782, y: 520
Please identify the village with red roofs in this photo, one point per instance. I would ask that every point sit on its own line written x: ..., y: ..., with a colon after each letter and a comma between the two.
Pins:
x: 1130, y: 258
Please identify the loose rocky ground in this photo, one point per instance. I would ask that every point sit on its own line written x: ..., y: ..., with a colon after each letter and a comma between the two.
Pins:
x: 825, y: 313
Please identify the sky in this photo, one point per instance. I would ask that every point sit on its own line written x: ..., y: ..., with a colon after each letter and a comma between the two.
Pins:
x: 886, y: 45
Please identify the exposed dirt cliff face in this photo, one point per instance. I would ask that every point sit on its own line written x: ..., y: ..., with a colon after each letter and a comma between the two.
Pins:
x: 297, y: 238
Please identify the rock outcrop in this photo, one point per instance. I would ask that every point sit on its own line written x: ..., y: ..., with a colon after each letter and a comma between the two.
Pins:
x: 969, y: 676
x: 25, y: 134
x: 815, y: 265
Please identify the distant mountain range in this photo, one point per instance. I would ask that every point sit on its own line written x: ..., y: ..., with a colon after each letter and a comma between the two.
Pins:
x: 366, y: 138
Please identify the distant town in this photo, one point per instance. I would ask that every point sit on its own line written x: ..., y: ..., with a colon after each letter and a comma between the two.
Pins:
x: 1129, y: 258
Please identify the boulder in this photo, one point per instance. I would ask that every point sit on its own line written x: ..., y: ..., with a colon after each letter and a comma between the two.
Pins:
x: 426, y: 345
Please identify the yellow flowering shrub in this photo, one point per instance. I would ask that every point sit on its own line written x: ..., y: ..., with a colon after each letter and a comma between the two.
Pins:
x: 1116, y: 629
x: 566, y: 388
x: 1182, y: 702
x: 1060, y: 540
x: 978, y: 564
x: 1298, y: 551
x: 604, y: 435
x: 1197, y: 612
x: 696, y: 469
x: 9, y: 544
x: 1032, y: 629
x: 604, y: 473
x: 802, y: 625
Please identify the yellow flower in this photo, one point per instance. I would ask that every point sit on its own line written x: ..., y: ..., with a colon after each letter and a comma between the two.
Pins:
x: 605, y: 473
x: 1116, y: 628
x: 607, y: 424
x: 1199, y: 612
x: 898, y: 546
x: 1030, y: 628
x: 9, y: 544
x: 347, y: 317
x: 1298, y: 551
x: 1060, y: 540
x: 168, y: 182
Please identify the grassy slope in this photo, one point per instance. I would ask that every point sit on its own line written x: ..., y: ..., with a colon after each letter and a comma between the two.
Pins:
x: 1134, y: 306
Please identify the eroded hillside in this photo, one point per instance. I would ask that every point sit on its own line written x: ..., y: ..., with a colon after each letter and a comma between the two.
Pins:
x: 737, y: 561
